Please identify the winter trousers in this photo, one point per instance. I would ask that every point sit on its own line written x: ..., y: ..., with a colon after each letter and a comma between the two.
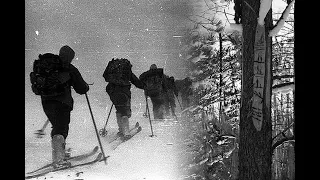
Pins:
x: 158, y: 107
x: 58, y: 114
x: 122, y: 103
x: 169, y: 103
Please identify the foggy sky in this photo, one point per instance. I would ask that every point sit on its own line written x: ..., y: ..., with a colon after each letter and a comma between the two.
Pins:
x: 143, y: 31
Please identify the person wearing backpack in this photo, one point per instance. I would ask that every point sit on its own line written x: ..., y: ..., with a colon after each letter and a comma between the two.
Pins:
x: 155, y: 89
x: 186, y: 92
x: 119, y: 76
x: 167, y: 97
x: 52, y: 78
x: 172, y: 91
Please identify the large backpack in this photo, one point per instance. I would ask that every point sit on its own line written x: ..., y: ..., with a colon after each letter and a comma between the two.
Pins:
x: 118, y: 71
x: 49, y: 76
x: 154, y: 82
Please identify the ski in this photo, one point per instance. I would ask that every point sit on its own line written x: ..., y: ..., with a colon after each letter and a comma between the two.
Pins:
x: 83, y: 156
x: 117, y: 136
x: 72, y: 158
x: 121, y: 139
x: 51, y: 169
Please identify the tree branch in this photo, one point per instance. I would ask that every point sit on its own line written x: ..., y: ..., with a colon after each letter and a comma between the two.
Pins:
x: 282, y: 131
x: 278, y: 143
x: 282, y: 85
x: 281, y: 20
x: 283, y: 76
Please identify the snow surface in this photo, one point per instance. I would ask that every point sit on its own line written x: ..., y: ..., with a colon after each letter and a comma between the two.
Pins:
x: 232, y: 27
x: 162, y: 157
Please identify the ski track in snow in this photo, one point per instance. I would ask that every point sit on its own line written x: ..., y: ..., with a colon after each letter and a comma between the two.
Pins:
x: 143, y: 157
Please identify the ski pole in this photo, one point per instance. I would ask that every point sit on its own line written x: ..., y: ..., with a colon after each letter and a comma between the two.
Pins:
x: 147, y: 108
x: 95, y: 128
x: 103, y: 131
x: 45, y: 125
x: 40, y: 132
x: 145, y: 113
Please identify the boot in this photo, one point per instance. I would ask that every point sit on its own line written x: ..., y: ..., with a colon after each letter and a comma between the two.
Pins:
x: 67, y: 152
x: 119, y: 122
x: 125, y: 127
x: 58, y: 151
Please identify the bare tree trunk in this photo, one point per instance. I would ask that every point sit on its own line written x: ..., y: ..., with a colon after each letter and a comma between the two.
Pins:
x: 255, y: 155
x: 291, y: 159
x: 220, y: 80
x: 275, y: 130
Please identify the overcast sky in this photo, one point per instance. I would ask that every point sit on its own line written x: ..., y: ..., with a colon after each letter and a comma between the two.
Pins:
x: 143, y: 31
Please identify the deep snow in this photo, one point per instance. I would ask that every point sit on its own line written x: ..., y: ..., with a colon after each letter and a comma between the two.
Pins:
x: 162, y: 157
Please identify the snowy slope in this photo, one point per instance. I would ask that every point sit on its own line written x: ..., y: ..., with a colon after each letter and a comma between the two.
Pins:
x: 143, y: 157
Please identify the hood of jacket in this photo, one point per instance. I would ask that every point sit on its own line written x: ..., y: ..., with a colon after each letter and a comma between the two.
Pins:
x: 153, y: 66
x: 67, y: 54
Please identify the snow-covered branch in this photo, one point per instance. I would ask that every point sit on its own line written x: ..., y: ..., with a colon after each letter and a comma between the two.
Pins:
x: 282, y: 76
x: 265, y: 6
x: 281, y: 21
x: 278, y: 143
x: 283, y: 131
x: 283, y: 88
x: 233, y: 27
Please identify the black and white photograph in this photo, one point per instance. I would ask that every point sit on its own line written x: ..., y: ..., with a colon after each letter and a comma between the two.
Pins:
x: 159, y: 90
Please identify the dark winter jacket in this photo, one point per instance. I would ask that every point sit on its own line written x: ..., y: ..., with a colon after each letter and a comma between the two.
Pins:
x: 150, y: 73
x: 76, y: 80
x: 111, y: 88
x: 154, y: 72
x: 186, y: 89
x: 170, y: 84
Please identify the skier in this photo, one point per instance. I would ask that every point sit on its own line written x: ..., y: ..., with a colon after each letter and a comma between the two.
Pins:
x: 185, y: 89
x: 58, y: 108
x: 170, y: 96
x: 119, y: 76
x: 155, y: 89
